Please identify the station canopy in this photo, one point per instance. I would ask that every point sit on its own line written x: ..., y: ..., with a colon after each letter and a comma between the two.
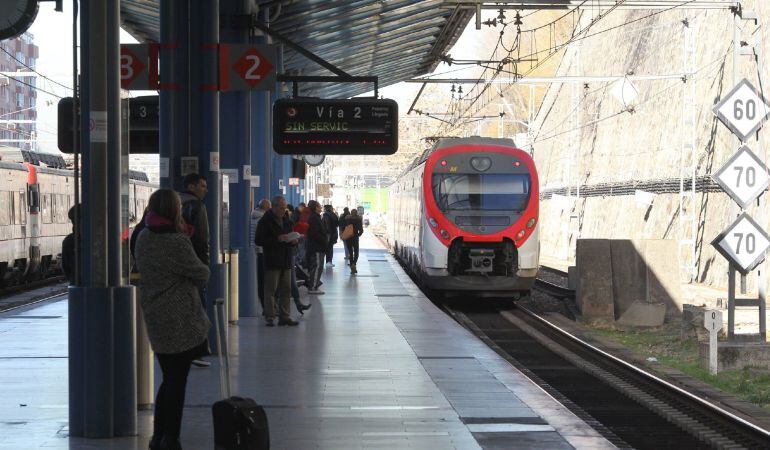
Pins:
x: 394, y: 40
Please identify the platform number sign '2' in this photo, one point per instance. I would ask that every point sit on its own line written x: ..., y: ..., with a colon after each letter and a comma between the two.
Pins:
x: 247, y: 66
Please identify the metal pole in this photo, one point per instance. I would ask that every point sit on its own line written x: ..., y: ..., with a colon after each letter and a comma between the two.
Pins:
x: 204, y: 134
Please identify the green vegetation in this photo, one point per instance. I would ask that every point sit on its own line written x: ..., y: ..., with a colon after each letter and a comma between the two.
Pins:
x: 751, y: 384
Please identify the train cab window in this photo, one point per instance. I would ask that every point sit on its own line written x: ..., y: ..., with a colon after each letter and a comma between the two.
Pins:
x: 5, y: 208
x: 487, y: 192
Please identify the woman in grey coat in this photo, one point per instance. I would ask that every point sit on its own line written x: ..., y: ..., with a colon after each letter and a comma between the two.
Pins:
x: 176, y: 323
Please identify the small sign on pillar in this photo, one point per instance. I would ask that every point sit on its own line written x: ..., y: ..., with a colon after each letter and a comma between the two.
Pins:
x: 712, y: 321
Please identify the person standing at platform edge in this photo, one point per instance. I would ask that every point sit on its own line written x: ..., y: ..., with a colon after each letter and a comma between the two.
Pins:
x: 273, y: 236
x: 263, y: 207
x: 351, y: 243
x: 177, y: 325
x: 317, y: 242
x: 331, y: 222
x: 194, y: 214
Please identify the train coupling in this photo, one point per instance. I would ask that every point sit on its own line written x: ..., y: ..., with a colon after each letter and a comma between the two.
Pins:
x: 481, y: 260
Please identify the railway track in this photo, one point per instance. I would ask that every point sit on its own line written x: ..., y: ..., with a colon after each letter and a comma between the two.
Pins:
x: 14, y: 297
x: 629, y: 406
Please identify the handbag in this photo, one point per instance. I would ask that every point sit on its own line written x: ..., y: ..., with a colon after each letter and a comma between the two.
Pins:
x: 348, y: 232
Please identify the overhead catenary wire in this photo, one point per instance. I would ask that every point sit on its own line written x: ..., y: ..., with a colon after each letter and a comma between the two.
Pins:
x: 32, y: 69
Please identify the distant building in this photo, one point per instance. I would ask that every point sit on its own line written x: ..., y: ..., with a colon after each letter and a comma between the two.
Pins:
x: 18, y: 101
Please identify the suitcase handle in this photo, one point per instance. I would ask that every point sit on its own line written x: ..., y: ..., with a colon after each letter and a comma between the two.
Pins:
x: 224, y: 360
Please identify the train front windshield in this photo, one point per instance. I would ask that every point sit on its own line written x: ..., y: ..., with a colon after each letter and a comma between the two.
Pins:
x: 486, y: 192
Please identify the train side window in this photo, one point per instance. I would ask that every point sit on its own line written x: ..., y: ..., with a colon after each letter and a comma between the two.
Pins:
x: 5, y: 208
x: 23, y: 208
x: 46, y: 209
x: 17, y: 208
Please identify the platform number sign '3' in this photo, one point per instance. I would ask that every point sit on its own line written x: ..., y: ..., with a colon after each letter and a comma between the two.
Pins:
x: 744, y: 243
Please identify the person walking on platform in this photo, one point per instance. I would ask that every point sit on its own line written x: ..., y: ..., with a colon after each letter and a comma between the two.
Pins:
x: 317, y: 242
x: 354, y: 220
x: 274, y: 236
x: 263, y: 206
x: 194, y: 214
x: 177, y: 325
x: 342, y: 224
x: 331, y: 222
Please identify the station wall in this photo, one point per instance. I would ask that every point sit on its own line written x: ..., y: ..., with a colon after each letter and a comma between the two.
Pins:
x: 610, y: 145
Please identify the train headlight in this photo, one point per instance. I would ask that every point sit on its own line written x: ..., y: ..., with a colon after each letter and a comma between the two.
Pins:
x: 481, y: 164
x: 445, y: 234
x: 531, y: 222
x: 432, y: 222
x: 520, y: 235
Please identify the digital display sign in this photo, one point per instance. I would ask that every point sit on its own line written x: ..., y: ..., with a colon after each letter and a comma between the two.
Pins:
x: 357, y: 126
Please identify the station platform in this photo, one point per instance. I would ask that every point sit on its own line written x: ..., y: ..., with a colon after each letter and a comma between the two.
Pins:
x: 373, y: 364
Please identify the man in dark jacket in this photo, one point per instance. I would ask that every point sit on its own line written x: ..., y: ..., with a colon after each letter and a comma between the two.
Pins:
x: 317, y: 243
x: 68, y: 246
x: 273, y: 233
x: 331, y: 222
x: 194, y: 213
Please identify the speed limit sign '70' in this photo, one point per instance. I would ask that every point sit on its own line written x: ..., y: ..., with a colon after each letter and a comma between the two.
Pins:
x: 744, y: 177
x: 744, y: 243
x: 743, y: 110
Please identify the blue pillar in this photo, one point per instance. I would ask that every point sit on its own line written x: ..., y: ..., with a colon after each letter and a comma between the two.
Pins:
x: 174, y: 98
x: 204, y: 135
x: 234, y: 141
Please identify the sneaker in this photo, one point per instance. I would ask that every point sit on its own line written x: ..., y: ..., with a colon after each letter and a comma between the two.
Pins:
x: 330, y: 264
x: 269, y: 323
x: 288, y: 321
x: 201, y: 363
x: 300, y: 283
x: 316, y: 292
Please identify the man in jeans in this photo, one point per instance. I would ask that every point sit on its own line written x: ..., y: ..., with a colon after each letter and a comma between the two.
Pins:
x: 195, y: 215
x: 317, y: 243
x: 278, y: 252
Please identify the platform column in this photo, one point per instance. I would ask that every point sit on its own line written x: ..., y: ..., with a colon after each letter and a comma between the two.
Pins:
x: 234, y: 138
x: 174, y: 98
x: 204, y: 136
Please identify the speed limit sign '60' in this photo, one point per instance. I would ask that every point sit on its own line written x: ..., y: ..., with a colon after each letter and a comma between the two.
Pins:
x: 743, y: 110
x: 744, y: 243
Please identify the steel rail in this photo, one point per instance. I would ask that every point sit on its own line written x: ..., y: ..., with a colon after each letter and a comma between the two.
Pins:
x: 650, y: 377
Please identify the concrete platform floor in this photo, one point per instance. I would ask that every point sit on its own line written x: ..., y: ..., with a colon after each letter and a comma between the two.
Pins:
x: 373, y: 364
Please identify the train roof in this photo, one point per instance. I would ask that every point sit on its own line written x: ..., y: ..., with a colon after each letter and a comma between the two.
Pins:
x: 452, y: 141
x: 13, y: 158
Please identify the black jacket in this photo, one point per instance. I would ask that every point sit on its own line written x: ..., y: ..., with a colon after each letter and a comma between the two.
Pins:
x: 194, y: 213
x: 331, y: 222
x: 277, y: 255
x: 317, y: 240
x: 68, y: 257
x: 358, y: 224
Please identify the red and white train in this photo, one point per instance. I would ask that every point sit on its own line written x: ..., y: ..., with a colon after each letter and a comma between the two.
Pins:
x: 464, y: 218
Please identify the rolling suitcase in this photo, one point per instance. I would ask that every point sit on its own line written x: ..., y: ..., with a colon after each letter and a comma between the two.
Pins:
x: 239, y: 423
